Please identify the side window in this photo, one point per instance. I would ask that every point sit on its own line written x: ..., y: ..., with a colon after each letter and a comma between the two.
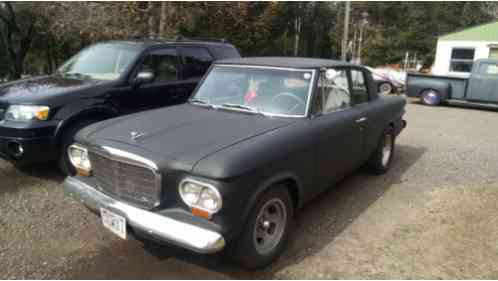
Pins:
x: 360, y: 90
x: 196, y: 61
x: 164, y: 65
x: 333, y: 87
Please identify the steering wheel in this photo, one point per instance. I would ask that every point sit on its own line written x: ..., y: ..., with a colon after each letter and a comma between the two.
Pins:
x: 297, y: 100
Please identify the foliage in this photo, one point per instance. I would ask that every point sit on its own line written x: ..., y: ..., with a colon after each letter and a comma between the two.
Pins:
x: 47, y: 33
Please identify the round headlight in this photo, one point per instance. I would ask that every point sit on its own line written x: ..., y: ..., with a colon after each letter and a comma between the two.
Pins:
x: 79, y: 159
x: 200, y: 195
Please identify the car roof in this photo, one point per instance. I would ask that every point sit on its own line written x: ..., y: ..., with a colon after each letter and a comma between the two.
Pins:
x: 288, y: 62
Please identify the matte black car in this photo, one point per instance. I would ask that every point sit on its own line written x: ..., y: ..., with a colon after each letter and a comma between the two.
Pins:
x: 258, y: 139
x: 39, y: 116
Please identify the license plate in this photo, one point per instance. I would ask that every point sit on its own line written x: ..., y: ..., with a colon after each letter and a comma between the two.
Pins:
x: 114, y: 222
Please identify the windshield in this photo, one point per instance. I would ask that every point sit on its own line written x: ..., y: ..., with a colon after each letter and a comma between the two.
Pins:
x: 102, y: 61
x: 271, y: 91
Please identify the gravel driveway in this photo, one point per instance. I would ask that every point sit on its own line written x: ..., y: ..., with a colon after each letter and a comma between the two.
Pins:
x: 432, y: 216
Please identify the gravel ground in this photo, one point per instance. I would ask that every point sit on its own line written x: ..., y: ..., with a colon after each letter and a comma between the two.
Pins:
x: 432, y: 216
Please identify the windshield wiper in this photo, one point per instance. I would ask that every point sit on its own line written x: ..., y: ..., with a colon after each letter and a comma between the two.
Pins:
x: 244, y: 107
x: 77, y: 75
x: 200, y: 102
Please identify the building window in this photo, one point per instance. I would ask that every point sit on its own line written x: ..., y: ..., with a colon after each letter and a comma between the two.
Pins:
x: 462, y: 59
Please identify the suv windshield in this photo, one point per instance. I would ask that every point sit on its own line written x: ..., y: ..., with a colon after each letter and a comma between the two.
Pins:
x: 271, y: 91
x: 105, y: 61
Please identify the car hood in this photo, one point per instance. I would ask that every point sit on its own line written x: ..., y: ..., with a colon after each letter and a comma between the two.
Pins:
x: 180, y: 136
x: 35, y: 89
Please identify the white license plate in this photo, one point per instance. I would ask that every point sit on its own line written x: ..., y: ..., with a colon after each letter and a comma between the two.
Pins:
x: 114, y: 222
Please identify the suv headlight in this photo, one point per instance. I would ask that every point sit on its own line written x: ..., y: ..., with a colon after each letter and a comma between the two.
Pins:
x: 78, y: 156
x: 27, y: 113
x: 200, y: 195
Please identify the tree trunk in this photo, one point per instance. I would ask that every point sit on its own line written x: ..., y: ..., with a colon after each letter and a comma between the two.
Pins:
x: 163, y: 19
x: 152, y: 33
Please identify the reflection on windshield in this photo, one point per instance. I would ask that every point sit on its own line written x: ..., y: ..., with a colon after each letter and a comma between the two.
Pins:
x: 102, y: 62
x: 261, y: 90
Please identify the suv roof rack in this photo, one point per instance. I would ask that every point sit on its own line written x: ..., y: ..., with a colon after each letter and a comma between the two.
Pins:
x: 208, y: 39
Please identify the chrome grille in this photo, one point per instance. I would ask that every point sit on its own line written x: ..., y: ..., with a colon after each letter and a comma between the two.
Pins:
x: 121, y: 179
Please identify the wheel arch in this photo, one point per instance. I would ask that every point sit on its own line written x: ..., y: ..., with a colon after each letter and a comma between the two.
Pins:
x: 100, y: 113
x: 287, y: 179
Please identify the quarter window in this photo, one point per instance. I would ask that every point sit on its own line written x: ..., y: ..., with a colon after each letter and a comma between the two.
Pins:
x: 164, y: 65
x: 360, y: 90
x: 462, y: 59
x: 196, y: 61
x: 333, y: 91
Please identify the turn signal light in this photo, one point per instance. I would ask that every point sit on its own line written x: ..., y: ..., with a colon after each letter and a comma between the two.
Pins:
x: 201, y: 213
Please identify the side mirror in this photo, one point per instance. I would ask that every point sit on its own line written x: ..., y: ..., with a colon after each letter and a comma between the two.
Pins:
x: 143, y: 77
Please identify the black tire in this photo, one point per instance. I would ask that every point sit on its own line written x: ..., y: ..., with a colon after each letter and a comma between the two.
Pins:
x: 430, y: 97
x: 67, y: 138
x: 248, y: 250
x: 379, y: 163
x: 385, y: 88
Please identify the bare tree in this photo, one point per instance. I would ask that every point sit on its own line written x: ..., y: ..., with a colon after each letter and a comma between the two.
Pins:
x: 17, y: 37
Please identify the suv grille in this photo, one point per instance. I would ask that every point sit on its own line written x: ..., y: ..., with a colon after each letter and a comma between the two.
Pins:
x: 130, y: 182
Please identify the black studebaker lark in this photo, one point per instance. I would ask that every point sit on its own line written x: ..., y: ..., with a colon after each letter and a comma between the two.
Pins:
x: 227, y: 171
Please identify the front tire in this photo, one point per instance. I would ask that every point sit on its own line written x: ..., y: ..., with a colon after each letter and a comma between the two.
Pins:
x: 380, y: 161
x: 430, y: 97
x: 266, y: 231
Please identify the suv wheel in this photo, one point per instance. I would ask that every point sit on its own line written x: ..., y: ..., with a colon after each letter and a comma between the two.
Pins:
x: 266, y: 231
x: 67, y: 138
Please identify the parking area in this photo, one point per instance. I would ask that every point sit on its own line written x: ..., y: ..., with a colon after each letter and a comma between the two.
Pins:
x: 432, y: 216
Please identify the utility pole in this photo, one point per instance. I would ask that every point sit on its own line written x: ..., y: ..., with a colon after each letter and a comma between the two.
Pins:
x: 345, y: 31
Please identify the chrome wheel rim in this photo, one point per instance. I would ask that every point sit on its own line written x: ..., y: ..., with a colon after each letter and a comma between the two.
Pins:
x: 385, y: 88
x: 270, y: 226
x: 431, y: 97
x: 387, y: 150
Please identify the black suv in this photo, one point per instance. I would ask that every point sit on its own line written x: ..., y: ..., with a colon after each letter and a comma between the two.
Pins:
x: 40, y: 116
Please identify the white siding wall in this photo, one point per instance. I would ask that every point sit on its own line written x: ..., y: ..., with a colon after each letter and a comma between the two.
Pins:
x: 443, y: 55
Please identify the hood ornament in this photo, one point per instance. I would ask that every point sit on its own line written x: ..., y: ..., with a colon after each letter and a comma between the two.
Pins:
x: 135, y: 135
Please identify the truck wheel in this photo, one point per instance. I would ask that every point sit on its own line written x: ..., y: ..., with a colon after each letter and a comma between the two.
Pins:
x: 380, y: 160
x: 67, y: 138
x: 266, y: 231
x: 430, y: 97
x: 385, y: 88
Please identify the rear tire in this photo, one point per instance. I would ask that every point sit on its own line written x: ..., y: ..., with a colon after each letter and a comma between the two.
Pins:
x: 67, y: 139
x: 380, y: 161
x: 430, y: 97
x: 266, y: 231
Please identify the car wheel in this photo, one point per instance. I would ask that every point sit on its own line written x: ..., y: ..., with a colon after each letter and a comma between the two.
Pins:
x: 380, y: 161
x: 430, y: 97
x: 385, y: 88
x: 67, y: 138
x: 266, y: 231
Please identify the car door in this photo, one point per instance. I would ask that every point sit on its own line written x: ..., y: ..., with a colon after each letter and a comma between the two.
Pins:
x: 372, y: 112
x: 336, y: 130
x: 167, y: 87
x: 483, y: 83
x: 196, y: 60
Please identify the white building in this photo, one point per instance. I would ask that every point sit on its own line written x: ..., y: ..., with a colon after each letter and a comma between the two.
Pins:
x: 457, y: 51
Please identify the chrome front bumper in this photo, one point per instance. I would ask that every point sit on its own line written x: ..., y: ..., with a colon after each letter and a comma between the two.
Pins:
x: 182, y: 234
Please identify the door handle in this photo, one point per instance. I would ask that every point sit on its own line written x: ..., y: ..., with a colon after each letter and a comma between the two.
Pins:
x: 361, y: 120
